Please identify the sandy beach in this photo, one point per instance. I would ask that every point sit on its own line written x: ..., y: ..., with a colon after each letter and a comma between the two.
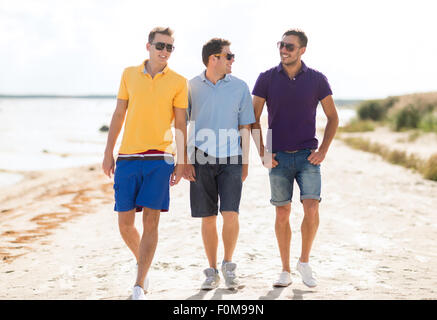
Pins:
x: 376, y: 240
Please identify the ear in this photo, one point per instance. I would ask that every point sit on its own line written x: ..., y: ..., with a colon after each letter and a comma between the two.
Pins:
x: 303, y: 49
x: 148, y: 46
x: 211, y: 60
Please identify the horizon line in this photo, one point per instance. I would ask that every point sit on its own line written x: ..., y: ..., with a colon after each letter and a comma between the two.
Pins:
x: 104, y: 96
x: 24, y: 96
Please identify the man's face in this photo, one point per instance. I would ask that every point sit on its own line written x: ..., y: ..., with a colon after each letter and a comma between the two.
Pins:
x: 223, y: 65
x: 160, y: 56
x: 291, y: 57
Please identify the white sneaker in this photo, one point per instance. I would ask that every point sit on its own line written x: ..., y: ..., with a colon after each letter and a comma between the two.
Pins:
x: 228, y: 271
x: 212, y: 279
x: 306, y: 274
x: 138, y: 293
x: 284, y: 279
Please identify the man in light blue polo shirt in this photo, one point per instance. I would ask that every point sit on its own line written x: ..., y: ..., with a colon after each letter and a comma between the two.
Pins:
x: 220, y: 112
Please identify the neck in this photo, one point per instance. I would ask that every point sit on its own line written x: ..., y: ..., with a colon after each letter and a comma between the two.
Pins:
x: 154, y: 68
x: 213, y: 76
x: 293, y: 69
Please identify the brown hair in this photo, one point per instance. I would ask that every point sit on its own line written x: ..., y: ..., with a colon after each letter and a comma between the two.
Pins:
x: 213, y: 46
x: 303, y: 39
x: 166, y: 31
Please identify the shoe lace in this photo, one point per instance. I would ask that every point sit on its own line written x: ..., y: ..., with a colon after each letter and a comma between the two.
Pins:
x: 309, y: 272
x: 230, y: 274
x: 210, y: 278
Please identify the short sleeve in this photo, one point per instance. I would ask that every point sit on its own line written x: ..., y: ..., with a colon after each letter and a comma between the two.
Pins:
x: 246, y: 114
x: 122, y: 91
x: 180, y: 100
x: 324, y: 88
x: 188, y: 117
x: 261, y: 86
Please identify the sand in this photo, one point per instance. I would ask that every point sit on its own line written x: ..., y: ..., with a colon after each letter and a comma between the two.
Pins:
x: 376, y: 240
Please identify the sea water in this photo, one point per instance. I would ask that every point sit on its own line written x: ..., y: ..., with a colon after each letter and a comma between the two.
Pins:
x: 40, y: 134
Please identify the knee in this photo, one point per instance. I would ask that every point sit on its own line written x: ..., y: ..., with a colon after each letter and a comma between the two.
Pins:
x: 125, y: 225
x: 283, y: 214
x: 230, y: 217
x: 151, y: 222
x: 311, y: 212
x: 209, y: 222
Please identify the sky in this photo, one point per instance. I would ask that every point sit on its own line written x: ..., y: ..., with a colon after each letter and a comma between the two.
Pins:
x: 367, y: 49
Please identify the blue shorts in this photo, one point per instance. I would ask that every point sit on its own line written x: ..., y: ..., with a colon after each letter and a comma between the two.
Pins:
x: 142, y: 183
x: 293, y: 166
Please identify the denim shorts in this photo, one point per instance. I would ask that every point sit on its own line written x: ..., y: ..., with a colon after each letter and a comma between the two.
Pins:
x: 216, y: 181
x: 293, y: 166
x: 142, y: 183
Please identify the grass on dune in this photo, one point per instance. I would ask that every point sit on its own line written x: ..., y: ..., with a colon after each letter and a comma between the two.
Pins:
x: 428, y: 168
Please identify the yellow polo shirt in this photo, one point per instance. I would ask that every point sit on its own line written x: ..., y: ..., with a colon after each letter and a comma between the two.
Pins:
x: 150, y: 108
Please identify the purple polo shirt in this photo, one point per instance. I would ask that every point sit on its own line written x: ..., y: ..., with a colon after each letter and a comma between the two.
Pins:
x: 291, y: 106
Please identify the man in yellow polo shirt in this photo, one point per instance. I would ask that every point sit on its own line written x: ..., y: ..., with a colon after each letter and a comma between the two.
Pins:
x: 150, y: 97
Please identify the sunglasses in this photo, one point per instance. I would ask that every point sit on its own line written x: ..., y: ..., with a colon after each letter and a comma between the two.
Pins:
x: 229, y: 56
x: 161, y: 45
x: 289, y: 46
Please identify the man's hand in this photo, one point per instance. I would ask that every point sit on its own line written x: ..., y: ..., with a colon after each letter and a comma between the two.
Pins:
x: 108, y: 165
x: 316, y: 157
x: 269, y: 160
x: 190, y: 173
x: 245, y: 172
x: 177, y: 174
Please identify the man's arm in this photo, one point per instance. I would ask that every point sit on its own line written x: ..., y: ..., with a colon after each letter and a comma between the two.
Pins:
x: 266, y: 158
x: 181, y: 145
x: 258, y: 105
x: 245, y: 146
x: 108, y: 164
x: 328, y: 105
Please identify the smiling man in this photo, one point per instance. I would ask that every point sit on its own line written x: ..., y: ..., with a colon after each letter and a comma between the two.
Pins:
x: 292, y: 92
x: 151, y: 95
x: 220, y: 112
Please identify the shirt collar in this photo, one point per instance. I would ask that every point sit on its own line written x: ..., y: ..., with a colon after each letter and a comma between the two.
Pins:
x: 304, y: 67
x: 227, y: 77
x: 144, y: 70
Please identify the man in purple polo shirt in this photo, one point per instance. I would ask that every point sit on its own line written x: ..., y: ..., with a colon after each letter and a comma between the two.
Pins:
x: 292, y: 92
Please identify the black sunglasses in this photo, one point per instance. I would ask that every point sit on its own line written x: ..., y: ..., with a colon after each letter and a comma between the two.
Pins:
x: 161, y: 45
x: 229, y: 56
x: 289, y: 46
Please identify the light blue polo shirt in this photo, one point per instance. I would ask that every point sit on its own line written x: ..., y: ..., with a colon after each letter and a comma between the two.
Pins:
x: 215, y: 111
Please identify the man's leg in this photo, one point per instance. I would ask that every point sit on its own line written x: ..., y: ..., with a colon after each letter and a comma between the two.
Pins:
x: 283, y: 234
x: 230, y: 235
x: 130, y: 235
x: 310, y: 183
x: 230, y: 185
x: 281, y: 186
x: 149, y: 241
x: 230, y: 232
x: 210, y: 239
x: 309, y: 226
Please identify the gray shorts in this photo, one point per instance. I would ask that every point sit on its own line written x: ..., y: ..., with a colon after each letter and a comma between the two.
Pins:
x: 214, y: 181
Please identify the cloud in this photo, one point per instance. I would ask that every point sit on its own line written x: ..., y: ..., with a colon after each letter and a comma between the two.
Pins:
x: 367, y: 48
